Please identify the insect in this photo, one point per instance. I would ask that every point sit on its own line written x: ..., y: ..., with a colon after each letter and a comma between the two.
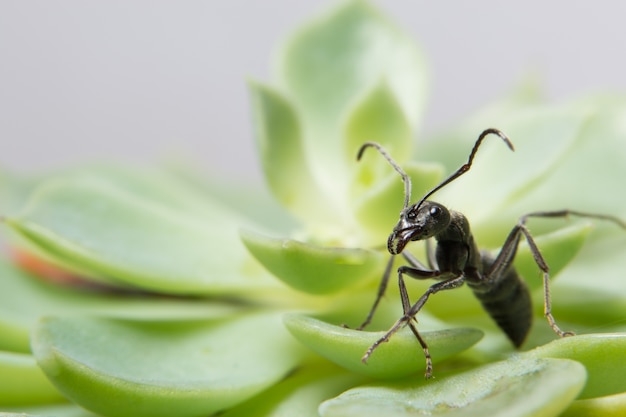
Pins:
x: 457, y: 260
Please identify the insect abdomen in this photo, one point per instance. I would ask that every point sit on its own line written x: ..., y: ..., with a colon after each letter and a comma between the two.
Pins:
x: 507, y: 301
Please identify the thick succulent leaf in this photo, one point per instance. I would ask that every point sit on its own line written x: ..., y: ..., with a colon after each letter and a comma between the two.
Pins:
x: 100, y: 228
x: 283, y: 155
x: 589, y: 178
x: 336, y: 61
x: 247, y: 200
x: 314, y: 269
x: 512, y: 388
x: 401, y: 356
x: 378, y: 206
x: 189, y: 368
x: 22, y: 382
x: 379, y: 118
x: 600, y: 353
x: 178, y: 185
x: 300, y: 394
x: 600, y: 264
x: 609, y: 406
x: 595, y: 308
x: 451, y: 145
x: 151, y: 183
x: 23, y: 300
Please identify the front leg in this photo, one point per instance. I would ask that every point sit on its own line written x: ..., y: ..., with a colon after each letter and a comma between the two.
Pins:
x: 423, y: 273
x: 411, y: 311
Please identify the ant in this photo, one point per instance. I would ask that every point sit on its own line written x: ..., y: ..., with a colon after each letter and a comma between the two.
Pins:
x: 457, y: 260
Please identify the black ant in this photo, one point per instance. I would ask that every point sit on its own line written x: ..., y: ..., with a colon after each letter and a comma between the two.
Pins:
x: 457, y: 260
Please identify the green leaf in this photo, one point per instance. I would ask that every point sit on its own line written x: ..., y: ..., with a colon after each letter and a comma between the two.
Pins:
x: 151, y: 183
x: 314, y: 269
x: 451, y: 145
x: 283, y: 156
x: 327, y: 64
x: 595, y: 308
x: 599, y: 353
x: 379, y: 118
x: 603, y: 257
x: 401, y: 356
x: 24, y: 299
x: 513, y: 388
x: 100, y: 229
x: 188, y: 368
x: 248, y: 200
x: 610, y: 406
x: 588, y: 178
x: 300, y: 394
x: 330, y: 65
x: 22, y: 382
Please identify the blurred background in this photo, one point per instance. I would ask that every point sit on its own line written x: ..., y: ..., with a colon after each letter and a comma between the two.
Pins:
x: 136, y: 80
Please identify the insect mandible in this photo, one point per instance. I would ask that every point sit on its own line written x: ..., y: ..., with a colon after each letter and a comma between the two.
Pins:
x: 457, y: 260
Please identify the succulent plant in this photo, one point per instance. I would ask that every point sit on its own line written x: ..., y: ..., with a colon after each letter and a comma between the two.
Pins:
x: 155, y: 292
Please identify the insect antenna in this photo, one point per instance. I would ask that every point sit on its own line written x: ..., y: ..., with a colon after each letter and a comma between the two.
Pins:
x: 466, y: 167
x: 405, y: 178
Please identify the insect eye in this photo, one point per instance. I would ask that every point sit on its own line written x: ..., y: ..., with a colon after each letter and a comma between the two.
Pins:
x: 435, y: 211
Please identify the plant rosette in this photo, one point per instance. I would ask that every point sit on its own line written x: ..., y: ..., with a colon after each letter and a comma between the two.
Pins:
x: 152, y: 291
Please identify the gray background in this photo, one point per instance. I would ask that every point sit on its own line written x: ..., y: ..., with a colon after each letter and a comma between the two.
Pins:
x: 136, y: 80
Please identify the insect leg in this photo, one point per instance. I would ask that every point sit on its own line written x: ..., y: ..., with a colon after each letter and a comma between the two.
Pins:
x: 411, y: 311
x: 466, y: 166
x: 406, y: 307
x: 429, y: 362
x: 413, y: 261
x: 540, y: 261
x: 381, y: 291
